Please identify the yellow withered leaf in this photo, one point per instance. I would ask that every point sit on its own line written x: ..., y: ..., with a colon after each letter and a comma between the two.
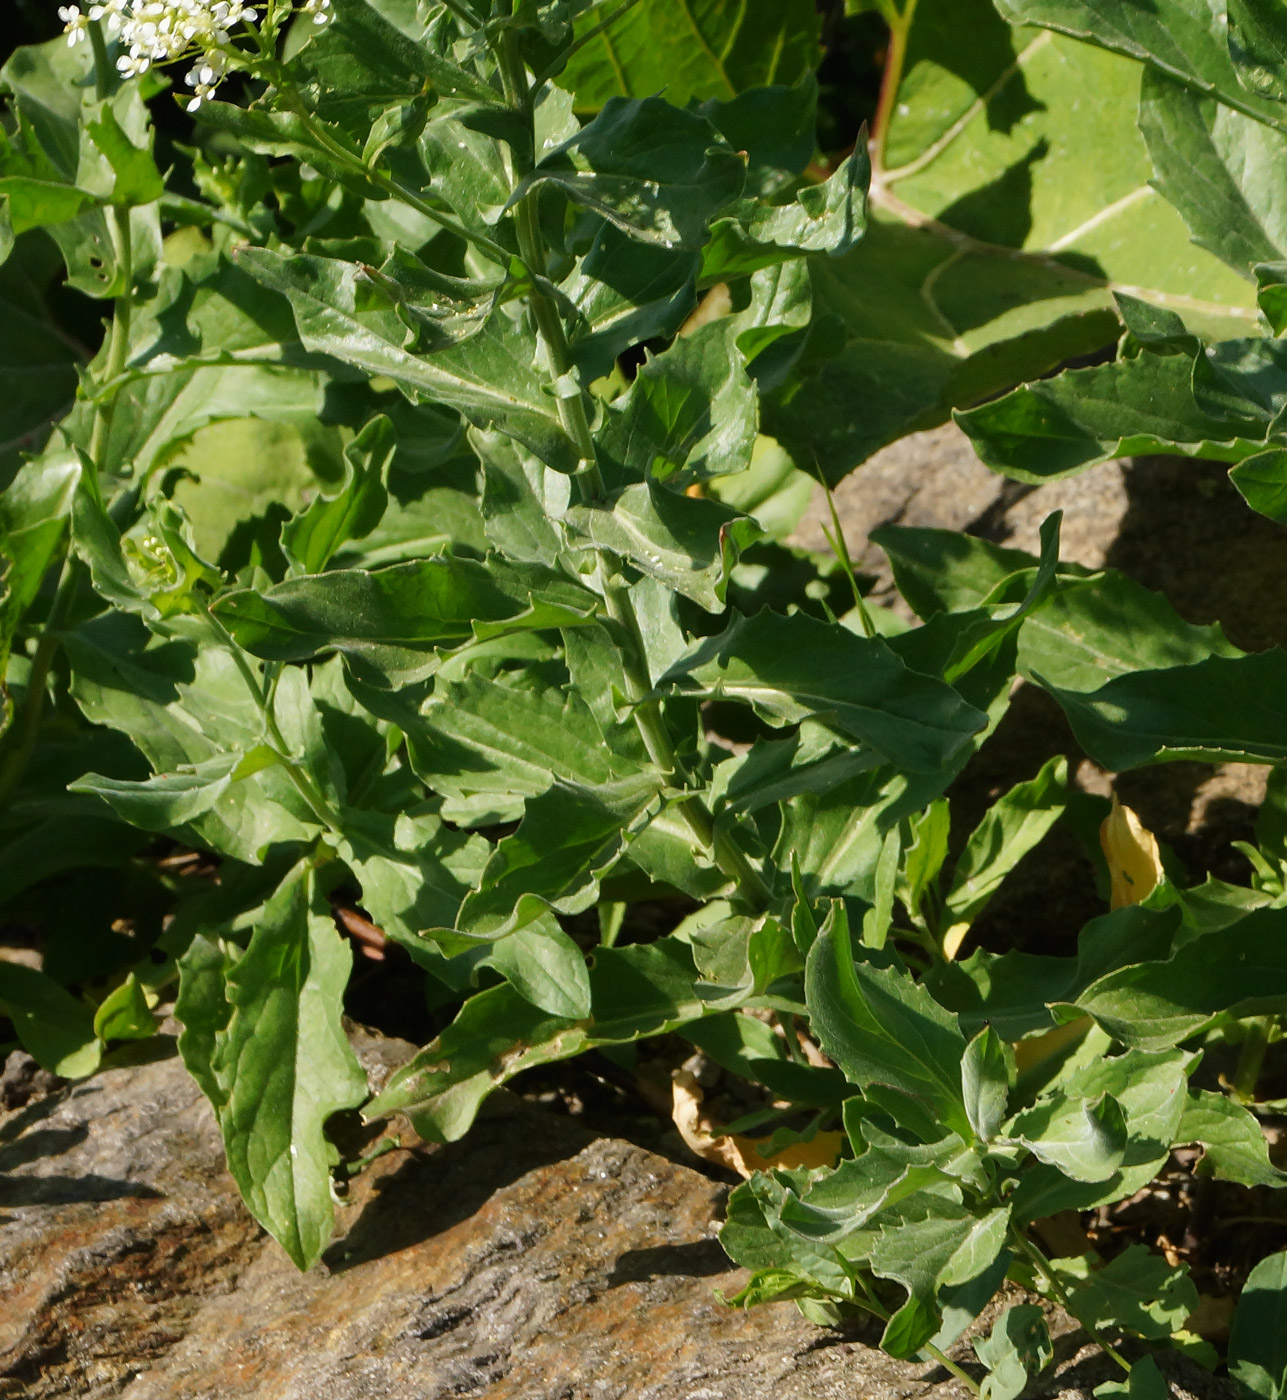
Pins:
x: 738, y: 1153
x: 1134, y: 864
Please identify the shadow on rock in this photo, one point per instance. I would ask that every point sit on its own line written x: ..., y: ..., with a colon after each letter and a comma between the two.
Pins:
x: 438, y: 1187
x: 697, y: 1259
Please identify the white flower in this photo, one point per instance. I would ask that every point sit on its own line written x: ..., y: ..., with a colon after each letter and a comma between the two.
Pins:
x: 75, y: 24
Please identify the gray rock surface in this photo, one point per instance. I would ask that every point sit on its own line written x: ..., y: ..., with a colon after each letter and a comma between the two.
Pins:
x: 528, y: 1262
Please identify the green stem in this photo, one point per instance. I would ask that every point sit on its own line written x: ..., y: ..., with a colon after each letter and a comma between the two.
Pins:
x: 102, y: 68
x: 299, y: 778
x: 1252, y: 1058
x: 729, y: 856
x: 949, y: 1365
x: 1042, y: 1265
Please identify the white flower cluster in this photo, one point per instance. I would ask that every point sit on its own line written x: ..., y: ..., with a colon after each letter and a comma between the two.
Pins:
x: 163, y: 31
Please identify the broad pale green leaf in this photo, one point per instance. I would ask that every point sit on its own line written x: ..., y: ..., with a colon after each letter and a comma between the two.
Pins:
x: 54, y: 1027
x: 392, y: 619
x: 690, y: 544
x: 694, y: 49
x: 1014, y: 824
x: 1187, y: 39
x: 644, y: 989
x: 985, y: 1083
x: 1233, y: 1145
x: 1223, y: 709
x: 794, y: 668
x: 522, y: 499
x: 352, y: 512
x: 490, y: 378
x: 1238, y: 971
x: 36, y: 203
x: 1137, y: 1291
x: 1220, y: 169
x: 1017, y: 1349
x: 880, y: 1027
x: 690, y: 413
x: 1084, y: 1139
x: 1005, y: 210
x: 570, y: 836
x: 1258, y: 1339
x: 284, y: 1066
x: 660, y: 174
x: 825, y: 218
x: 137, y: 180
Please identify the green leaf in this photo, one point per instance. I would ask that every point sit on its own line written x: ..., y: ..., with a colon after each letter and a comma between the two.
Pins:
x: 546, y: 968
x: 1145, y: 1382
x: 284, y: 1066
x: 690, y: 544
x: 1222, y: 709
x: 202, y: 1009
x: 414, y: 871
x: 1233, y: 972
x: 1017, y: 1349
x: 352, y: 512
x: 1219, y: 169
x: 881, y: 1027
x: 169, y: 800
x: 660, y: 174
x: 792, y: 668
x: 491, y: 377
x: 985, y: 1083
x: 392, y: 619
x: 825, y: 218
x: 717, y: 49
x: 626, y: 293
x: 1084, y: 1139
x: 124, y: 1014
x: 1258, y: 46
x: 137, y: 181
x: 690, y: 413
x: 52, y: 1025
x: 37, y: 203
x: 1233, y: 1145
x: 644, y: 989
x: 569, y: 838
x: 1138, y: 1292
x: 948, y: 1245
x: 1012, y: 827
x: 991, y: 254
x: 184, y: 706
x: 1262, y: 482
x: 1258, y: 1339
x: 1186, y: 39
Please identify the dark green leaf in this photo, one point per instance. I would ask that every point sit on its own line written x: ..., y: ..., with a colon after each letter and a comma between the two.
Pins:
x: 546, y: 968
x: 1085, y: 1139
x: 880, y: 1027
x: 659, y: 173
x: 1137, y: 1291
x: 985, y: 1083
x: 792, y: 668
x: 352, y: 512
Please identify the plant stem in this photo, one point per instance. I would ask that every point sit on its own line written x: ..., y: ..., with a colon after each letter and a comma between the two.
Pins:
x: 949, y: 1365
x: 900, y: 25
x: 1042, y: 1265
x: 1252, y: 1058
x: 728, y: 855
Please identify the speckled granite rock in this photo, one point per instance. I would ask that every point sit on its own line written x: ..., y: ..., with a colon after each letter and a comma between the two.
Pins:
x: 528, y: 1262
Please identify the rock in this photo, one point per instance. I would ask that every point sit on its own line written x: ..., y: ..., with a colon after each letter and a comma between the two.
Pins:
x: 528, y: 1262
